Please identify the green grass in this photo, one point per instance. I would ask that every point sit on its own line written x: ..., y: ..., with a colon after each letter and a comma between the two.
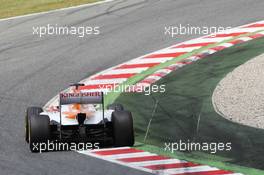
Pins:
x: 9, y: 8
x: 188, y: 95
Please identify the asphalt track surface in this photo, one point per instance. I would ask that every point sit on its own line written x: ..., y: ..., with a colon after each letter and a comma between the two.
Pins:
x: 33, y: 69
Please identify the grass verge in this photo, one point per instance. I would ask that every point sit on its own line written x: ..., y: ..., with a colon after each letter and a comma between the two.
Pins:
x: 10, y: 8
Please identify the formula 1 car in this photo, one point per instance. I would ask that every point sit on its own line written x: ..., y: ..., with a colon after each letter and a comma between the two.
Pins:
x: 80, y: 117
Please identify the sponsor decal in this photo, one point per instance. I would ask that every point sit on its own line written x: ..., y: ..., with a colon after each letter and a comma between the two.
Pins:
x: 85, y: 94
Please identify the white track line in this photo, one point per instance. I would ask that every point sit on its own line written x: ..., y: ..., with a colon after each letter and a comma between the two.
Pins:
x: 56, y: 10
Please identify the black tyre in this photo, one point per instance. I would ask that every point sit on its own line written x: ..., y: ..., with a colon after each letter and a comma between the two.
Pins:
x: 30, y: 111
x: 123, y: 131
x: 115, y: 107
x: 38, y: 132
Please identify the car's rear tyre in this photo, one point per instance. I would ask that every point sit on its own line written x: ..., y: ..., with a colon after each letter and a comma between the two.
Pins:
x: 38, y: 132
x: 123, y: 131
x: 30, y: 111
x: 116, y: 107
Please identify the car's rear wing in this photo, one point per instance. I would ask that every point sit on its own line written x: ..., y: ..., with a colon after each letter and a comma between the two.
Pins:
x: 81, y: 98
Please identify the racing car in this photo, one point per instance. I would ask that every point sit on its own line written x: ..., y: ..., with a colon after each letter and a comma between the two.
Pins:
x: 80, y: 117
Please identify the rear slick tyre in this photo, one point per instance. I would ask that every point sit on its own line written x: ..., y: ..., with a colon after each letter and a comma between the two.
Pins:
x: 30, y: 111
x: 38, y: 133
x: 123, y: 131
